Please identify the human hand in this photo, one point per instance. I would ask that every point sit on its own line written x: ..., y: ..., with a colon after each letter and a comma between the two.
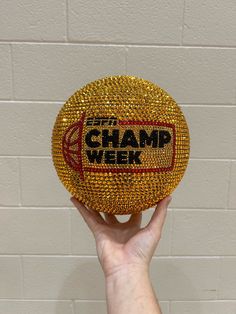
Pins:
x: 120, y: 245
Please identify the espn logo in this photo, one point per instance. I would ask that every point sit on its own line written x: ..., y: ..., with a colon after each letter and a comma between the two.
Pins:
x: 106, y: 144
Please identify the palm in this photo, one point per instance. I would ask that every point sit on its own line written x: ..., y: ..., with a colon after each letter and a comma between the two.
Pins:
x: 123, y: 244
x: 120, y: 244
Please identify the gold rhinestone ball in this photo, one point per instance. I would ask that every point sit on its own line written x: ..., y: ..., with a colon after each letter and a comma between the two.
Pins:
x: 120, y: 144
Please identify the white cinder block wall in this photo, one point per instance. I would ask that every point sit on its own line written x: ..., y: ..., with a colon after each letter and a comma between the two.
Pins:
x: 49, y: 49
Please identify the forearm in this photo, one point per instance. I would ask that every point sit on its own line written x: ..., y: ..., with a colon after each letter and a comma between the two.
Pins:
x: 130, y: 291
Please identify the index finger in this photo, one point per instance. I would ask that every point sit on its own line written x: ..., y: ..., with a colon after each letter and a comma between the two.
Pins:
x: 91, y: 217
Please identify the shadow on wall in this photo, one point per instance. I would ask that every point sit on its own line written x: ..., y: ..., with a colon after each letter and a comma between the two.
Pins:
x: 86, y: 282
x: 171, y: 283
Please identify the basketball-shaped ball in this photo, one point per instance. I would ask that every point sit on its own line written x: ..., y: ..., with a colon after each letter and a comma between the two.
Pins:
x: 120, y: 144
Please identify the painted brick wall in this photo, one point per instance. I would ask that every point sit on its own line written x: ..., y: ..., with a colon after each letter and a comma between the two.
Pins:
x: 49, y: 49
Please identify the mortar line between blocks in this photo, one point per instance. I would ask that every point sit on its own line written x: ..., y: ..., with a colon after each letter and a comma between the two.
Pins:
x: 204, y: 301
x: 168, y: 304
x: 208, y: 105
x: 155, y: 257
x: 117, y: 44
x: 229, y: 182
x: 61, y: 102
x: 103, y: 300
x: 70, y: 226
x: 67, y: 21
x: 183, y: 23
x: 73, y: 306
x: 12, y: 73
x: 218, y: 279
x: 219, y: 276
x: 23, y: 278
x: 170, y: 307
x: 171, y: 232
x: 19, y: 181
x: 45, y: 207
x: 37, y: 300
x: 51, y: 300
x: 126, y: 59
x: 49, y: 157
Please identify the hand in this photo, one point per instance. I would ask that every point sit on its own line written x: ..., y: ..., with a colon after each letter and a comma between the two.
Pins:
x: 121, y: 245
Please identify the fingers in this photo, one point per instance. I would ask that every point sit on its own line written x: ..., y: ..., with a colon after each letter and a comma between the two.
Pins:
x: 91, y: 217
x: 158, y: 218
x: 110, y: 218
x: 135, y: 219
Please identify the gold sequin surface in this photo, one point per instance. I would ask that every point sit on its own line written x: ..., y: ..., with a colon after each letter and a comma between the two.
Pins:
x: 120, y: 144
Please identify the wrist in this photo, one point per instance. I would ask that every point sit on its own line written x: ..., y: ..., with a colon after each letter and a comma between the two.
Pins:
x: 123, y: 286
x: 127, y: 272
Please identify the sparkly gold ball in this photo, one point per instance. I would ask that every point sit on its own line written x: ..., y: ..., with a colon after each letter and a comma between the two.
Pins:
x: 120, y: 144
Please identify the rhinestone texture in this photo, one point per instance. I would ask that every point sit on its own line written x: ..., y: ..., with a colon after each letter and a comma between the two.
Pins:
x: 120, y: 144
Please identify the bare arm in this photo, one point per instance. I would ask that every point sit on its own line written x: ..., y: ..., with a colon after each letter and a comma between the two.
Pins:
x: 125, y: 251
x: 130, y: 291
